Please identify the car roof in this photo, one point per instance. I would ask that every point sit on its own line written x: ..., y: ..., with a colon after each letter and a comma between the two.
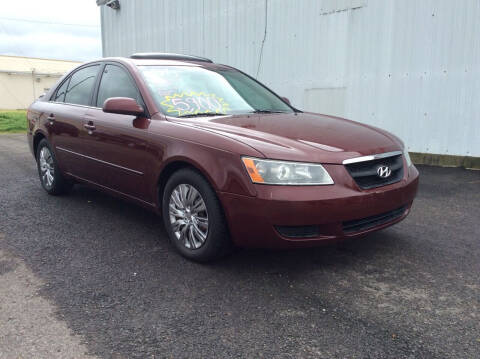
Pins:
x: 169, y: 56
x: 161, y: 62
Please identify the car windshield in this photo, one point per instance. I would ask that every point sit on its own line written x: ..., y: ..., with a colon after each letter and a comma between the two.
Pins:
x: 186, y: 91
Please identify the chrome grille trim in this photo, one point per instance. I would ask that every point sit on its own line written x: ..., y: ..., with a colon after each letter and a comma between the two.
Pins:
x: 371, y: 157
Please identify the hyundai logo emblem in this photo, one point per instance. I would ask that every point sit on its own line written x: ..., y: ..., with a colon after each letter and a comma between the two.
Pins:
x: 384, y: 171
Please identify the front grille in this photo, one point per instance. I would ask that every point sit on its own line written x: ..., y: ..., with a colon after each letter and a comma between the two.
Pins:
x: 298, y: 231
x: 363, y: 224
x: 365, y: 173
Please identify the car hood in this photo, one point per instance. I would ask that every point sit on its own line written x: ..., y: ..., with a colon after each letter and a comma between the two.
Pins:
x: 301, y: 136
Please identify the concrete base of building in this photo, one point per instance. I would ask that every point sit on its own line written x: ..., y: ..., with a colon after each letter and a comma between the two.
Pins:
x: 468, y: 162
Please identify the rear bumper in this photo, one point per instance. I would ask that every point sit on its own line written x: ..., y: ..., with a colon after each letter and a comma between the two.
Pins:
x: 330, y: 209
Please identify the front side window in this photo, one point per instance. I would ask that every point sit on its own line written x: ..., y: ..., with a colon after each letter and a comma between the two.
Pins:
x: 188, y: 90
x: 116, y: 82
x: 81, y: 86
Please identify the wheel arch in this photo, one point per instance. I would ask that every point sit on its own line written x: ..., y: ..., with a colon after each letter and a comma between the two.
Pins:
x: 39, y: 135
x: 171, y: 167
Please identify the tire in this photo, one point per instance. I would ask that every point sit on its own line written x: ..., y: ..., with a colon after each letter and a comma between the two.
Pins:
x: 51, y: 178
x: 185, y: 220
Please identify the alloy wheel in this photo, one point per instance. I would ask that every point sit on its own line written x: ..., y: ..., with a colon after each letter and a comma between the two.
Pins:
x: 188, y: 216
x: 47, y: 168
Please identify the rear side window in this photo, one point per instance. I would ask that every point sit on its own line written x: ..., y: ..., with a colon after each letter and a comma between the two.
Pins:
x: 116, y: 82
x: 60, y: 94
x: 81, y: 85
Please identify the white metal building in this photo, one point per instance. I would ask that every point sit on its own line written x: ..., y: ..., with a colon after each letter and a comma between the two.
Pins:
x: 409, y: 66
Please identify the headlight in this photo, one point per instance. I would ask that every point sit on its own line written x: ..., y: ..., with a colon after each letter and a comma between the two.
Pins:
x: 407, y: 157
x: 286, y: 173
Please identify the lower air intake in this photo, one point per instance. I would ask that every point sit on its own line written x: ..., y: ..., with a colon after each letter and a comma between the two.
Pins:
x: 298, y: 231
x: 363, y: 224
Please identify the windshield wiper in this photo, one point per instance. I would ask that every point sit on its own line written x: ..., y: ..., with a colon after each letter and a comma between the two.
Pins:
x: 203, y: 114
x: 267, y: 111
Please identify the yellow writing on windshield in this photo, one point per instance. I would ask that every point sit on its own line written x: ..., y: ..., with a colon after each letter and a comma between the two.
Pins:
x: 192, y: 102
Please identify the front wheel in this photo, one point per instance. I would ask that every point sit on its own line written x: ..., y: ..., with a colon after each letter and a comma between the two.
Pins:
x: 51, y: 178
x: 193, y: 217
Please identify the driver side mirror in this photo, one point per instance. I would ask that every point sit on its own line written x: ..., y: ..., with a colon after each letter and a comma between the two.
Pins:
x: 286, y: 100
x: 123, y: 106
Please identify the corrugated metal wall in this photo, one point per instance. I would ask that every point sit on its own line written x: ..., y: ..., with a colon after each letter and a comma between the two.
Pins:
x: 409, y: 66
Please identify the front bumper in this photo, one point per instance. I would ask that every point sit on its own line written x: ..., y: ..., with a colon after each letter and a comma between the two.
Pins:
x: 252, y: 220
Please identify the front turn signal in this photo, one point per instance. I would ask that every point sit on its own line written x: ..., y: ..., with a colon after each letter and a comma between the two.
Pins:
x: 252, y: 170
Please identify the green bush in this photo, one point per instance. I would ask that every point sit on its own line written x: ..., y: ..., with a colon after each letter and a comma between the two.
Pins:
x: 13, y: 121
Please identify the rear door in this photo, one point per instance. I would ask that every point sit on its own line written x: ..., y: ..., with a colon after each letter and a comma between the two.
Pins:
x: 66, y: 113
x: 118, y: 143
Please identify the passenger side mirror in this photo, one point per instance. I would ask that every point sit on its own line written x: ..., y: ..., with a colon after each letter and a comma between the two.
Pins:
x: 286, y: 100
x: 123, y: 106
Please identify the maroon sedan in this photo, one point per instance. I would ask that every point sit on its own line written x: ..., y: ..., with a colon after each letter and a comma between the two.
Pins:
x: 224, y: 159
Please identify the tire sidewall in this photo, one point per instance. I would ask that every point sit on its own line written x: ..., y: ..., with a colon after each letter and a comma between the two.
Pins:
x: 216, y: 222
x: 58, y: 180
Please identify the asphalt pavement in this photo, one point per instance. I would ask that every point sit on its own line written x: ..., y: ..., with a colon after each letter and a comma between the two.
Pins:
x: 88, y: 275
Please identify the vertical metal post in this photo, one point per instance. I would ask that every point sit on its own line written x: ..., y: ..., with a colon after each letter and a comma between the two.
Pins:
x: 33, y: 83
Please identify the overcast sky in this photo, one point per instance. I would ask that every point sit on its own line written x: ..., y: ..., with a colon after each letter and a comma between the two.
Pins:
x: 57, y: 29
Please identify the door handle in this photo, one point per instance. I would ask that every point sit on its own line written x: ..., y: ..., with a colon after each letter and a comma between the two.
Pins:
x: 90, y: 127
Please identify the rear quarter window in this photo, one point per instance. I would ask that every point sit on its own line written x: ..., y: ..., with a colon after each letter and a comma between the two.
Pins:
x: 61, y: 91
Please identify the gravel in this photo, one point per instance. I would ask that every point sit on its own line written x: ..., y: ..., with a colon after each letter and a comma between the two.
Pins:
x: 108, y: 275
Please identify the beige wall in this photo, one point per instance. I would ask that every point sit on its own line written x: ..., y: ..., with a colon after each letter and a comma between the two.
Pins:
x: 23, y: 79
x: 19, y: 91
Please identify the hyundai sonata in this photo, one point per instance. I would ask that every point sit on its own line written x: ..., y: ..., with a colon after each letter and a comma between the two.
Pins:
x: 222, y: 158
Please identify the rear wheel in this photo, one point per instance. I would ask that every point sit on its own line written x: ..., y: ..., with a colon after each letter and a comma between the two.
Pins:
x: 51, y: 178
x: 193, y: 217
